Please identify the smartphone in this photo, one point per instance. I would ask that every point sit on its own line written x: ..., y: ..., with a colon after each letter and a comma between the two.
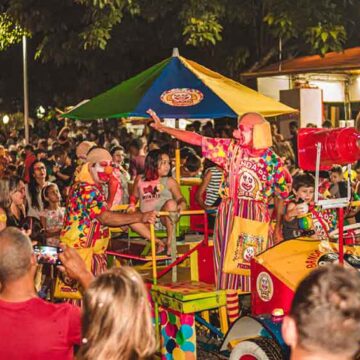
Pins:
x: 47, y: 254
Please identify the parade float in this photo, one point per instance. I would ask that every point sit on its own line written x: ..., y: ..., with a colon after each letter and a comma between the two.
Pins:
x: 182, y: 287
x: 276, y: 273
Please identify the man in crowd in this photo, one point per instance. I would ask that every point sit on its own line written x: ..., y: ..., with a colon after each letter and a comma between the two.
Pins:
x: 324, y: 320
x: 63, y: 170
x: 32, y: 328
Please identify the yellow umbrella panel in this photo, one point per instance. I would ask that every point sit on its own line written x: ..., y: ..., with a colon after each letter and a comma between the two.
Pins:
x: 239, y: 98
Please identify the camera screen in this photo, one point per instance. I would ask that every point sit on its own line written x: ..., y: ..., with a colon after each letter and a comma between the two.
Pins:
x: 46, y: 254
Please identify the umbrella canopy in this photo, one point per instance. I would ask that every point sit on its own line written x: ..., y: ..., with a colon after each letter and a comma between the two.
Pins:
x: 178, y: 88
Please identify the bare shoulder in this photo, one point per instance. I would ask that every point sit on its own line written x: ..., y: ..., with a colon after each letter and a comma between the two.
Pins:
x: 172, y: 182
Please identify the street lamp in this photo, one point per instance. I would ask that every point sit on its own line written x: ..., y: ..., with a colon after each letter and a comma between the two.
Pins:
x: 6, y: 119
x: 26, y: 90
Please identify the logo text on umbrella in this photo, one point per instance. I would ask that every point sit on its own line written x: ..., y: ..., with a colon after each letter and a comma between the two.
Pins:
x: 182, y: 97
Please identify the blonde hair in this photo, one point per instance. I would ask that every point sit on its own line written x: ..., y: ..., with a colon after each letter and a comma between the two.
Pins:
x: 262, y: 138
x: 117, y: 321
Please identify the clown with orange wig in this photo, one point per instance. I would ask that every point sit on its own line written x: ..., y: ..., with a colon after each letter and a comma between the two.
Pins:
x: 253, y: 173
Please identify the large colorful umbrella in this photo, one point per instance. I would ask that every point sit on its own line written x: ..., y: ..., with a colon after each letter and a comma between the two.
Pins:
x: 178, y: 88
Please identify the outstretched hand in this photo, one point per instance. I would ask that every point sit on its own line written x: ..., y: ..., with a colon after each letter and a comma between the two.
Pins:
x: 156, y: 124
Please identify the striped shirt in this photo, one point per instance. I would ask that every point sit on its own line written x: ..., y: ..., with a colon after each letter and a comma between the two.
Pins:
x: 212, y: 190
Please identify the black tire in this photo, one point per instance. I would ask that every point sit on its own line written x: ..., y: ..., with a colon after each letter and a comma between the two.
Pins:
x: 261, y: 348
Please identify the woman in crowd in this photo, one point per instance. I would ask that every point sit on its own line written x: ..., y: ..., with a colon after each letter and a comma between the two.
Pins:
x: 111, y: 326
x: 38, y: 179
x: 16, y: 212
x: 13, y: 205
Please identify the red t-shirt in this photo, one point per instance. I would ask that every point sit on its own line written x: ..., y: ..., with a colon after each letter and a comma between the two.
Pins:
x: 36, y: 329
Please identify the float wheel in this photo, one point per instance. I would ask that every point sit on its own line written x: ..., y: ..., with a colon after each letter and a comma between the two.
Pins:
x: 260, y: 348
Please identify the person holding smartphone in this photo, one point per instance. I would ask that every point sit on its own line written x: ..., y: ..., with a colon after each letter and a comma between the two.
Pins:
x: 32, y: 328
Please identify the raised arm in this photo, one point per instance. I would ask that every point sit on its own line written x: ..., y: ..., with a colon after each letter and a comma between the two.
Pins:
x: 182, y: 135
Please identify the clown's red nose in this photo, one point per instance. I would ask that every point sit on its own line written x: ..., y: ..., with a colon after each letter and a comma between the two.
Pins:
x: 108, y: 170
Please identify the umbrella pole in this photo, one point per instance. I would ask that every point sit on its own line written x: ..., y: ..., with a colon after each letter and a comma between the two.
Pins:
x: 177, y: 162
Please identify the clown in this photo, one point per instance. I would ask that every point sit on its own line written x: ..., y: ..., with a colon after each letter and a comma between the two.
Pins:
x: 253, y: 173
x: 87, y: 216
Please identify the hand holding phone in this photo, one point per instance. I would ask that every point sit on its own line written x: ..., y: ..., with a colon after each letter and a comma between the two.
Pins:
x: 302, y: 209
x: 47, y: 254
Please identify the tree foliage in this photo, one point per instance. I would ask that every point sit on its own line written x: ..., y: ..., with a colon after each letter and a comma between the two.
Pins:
x: 320, y: 24
x: 10, y: 32
x: 82, y: 47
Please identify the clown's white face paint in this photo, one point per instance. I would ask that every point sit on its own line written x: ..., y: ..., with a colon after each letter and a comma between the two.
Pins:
x: 101, y: 171
x: 244, y: 134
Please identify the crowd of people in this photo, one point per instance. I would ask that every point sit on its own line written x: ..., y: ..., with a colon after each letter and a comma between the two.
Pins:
x: 26, y: 171
x: 64, y: 189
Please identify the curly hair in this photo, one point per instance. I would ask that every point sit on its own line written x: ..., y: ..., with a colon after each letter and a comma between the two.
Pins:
x: 326, y: 310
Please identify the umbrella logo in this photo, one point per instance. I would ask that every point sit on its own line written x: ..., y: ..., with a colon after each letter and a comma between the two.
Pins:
x: 182, y: 97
